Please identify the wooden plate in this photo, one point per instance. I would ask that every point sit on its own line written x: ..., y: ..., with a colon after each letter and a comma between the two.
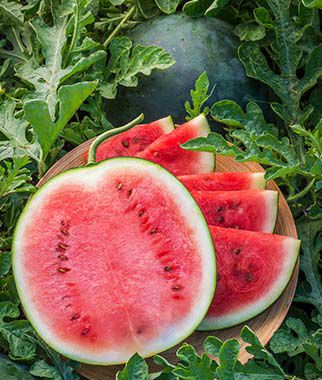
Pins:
x: 264, y: 324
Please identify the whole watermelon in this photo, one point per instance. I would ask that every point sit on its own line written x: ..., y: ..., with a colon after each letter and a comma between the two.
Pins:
x: 197, y: 45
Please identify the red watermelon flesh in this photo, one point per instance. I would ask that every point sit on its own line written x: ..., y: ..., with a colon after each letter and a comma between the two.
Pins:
x: 253, y: 269
x: 252, y: 210
x: 134, y: 140
x: 113, y: 259
x: 166, y: 150
x: 224, y: 181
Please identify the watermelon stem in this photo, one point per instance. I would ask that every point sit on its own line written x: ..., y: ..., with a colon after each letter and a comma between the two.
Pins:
x: 104, y: 136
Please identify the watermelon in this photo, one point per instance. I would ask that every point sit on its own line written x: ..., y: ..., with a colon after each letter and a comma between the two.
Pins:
x: 166, y: 150
x: 224, y: 181
x: 100, y: 251
x: 253, y: 269
x: 133, y: 141
x: 252, y: 210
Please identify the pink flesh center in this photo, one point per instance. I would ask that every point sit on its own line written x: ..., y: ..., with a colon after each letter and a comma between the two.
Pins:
x: 246, y: 210
x: 217, y: 181
x: 248, y: 265
x: 131, y: 142
x: 166, y: 151
x: 106, y: 266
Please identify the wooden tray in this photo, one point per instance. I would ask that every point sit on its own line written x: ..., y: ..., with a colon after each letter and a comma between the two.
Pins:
x: 264, y: 324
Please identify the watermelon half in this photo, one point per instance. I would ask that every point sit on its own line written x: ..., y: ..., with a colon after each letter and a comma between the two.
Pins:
x: 224, y: 181
x: 113, y: 259
x: 134, y: 140
x: 252, y: 210
x: 253, y: 269
x: 166, y: 150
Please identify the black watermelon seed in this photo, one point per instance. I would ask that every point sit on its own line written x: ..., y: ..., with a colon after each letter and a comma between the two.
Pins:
x: 154, y: 231
x: 248, y: 277
x: 176, y: 288
x: 75, y: 316
x: 125, y: 143
x: 220, y: 219
x: 86, y: 330
x: 139, y: 331
x: 236, y: 251
x: 63, y: 257
x: 168, y: 269
x: 129, y: 193
x: 63, y: 269
x: 141, y: 212
x: 218, y: 277
x: 219, y: 209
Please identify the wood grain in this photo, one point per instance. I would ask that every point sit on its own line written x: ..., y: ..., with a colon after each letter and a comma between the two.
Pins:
x: 264, y: 324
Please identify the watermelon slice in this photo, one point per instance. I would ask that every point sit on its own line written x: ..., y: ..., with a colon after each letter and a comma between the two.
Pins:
x: 134, y: 140
x: 253, y: 269
x: 166, y: 150
x: 224, y: 181
x: 252, y: 210
x: 113, y: 259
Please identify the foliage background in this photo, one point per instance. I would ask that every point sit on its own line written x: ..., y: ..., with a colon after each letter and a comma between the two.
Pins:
x: 60, y: 63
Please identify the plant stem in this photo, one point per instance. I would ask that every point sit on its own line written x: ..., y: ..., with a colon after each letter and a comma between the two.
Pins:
x: 303, y: 192
x: 117, y: 29
x: 72, y: 43
x: 104, y: 136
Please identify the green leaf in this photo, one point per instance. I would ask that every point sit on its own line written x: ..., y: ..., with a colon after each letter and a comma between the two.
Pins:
x: 15, y: 131
x: 228, y: 358
x: 15, y: 177
x: 41, y: 368
x: 148, y: 8
x: 313, y: 3
x: 126, y: 63
x: 12, y: 371
x: 37, y: 112
x: 310, y: 290
x: 250, y: 32
x: 135, y: 369
x: 197, y: 8
x: 167, y: 6
x: 12, y: 11
x: 199, y: 97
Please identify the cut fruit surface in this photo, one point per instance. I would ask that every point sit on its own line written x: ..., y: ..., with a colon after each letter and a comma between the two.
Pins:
x: 135, y: 140
x: 224, y: 181
x: 252, y: 210
x: 253, y: 269
x: 113, y: 259
x: 166, y: 150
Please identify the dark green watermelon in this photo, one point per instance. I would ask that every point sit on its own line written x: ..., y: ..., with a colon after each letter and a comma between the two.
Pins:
x: 197, y: 45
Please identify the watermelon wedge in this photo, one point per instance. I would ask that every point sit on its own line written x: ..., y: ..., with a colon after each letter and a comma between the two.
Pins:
x: 224, y: 181
x: 134, y: 140
x: 252, y: 210
x: 253, y: 269
x: 166, y: 150
x: 100, y: 251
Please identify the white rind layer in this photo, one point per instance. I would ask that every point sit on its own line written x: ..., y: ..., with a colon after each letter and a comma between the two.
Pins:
x: 207, y: 160
x: 271, y: 203
x: 192, y: 217
x: 250, y: 310
x: 258, y: 181
x: 167, y: 124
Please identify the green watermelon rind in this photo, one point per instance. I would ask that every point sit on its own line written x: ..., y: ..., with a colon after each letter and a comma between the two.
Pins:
x: 167, y: 124
x: 211, y: 262
x: 292, y: 246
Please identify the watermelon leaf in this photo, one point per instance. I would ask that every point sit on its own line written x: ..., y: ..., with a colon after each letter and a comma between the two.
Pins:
x: 167, y: 6
x: 310, y: 290
x: 126, y: 63
x: 197, y: 8
x: 135, y: 369
x: 199, y: 96
x: 12, y: 371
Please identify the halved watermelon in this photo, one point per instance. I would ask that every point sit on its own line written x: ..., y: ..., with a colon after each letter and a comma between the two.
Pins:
x: 253, y: 269
x: 224, y: 181
x: 134, y: 140
x: 166, y: 150
x: 113, y: 259
x: 252, y: 210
